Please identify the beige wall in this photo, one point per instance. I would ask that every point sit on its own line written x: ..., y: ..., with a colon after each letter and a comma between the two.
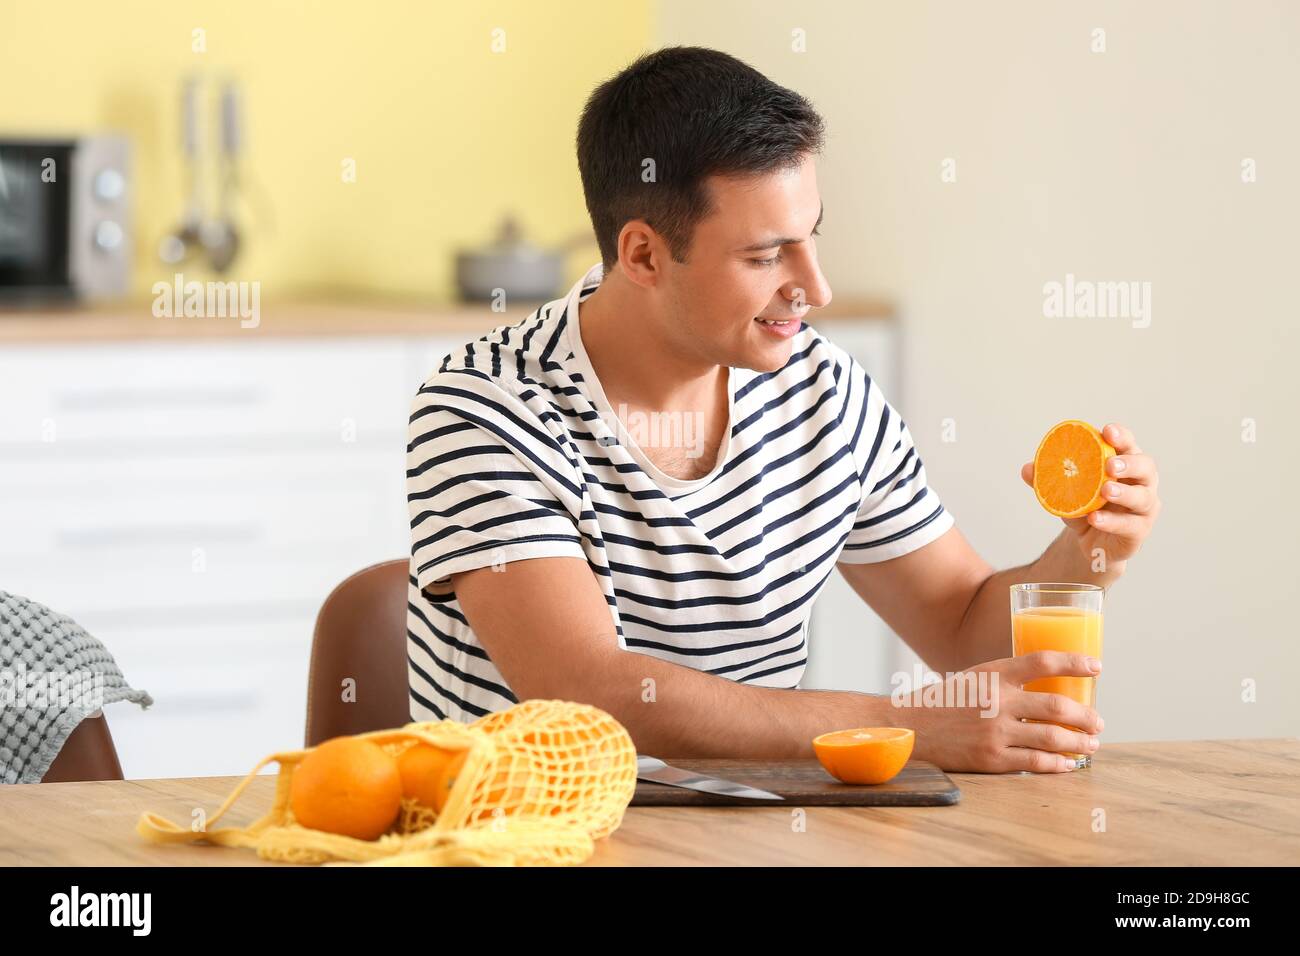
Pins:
x: 1114, y: 166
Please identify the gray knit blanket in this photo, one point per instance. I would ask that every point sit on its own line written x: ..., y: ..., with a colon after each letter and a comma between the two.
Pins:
x: 52, y: 676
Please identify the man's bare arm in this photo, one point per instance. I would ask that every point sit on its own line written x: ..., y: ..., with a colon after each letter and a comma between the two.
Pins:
x: 924, y: 597
x: 987, y: 624
x: 950, y: 606
x: 547, y: 627
x: 954, y: 611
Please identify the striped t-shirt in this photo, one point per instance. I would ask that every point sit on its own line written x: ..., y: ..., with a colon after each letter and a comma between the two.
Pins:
x: 515, y: 453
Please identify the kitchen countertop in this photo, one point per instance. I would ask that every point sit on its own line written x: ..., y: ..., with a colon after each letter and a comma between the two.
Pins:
x: 135, y: 320
x: 1181, y: 803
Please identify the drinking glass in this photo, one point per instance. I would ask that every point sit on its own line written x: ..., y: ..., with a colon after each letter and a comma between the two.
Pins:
x: 1059, y: 617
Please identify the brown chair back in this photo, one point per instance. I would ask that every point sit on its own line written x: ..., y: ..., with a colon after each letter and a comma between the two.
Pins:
x: 360, y: 634
x: 87, y: 754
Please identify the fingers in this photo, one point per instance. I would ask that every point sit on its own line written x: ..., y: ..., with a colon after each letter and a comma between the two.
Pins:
x: 1052, y: 742
x: 1135, y: 468
x: 1120, y: 438
x: 1027, y: 472
x: 1136, y: 498
x: 1036, y: 761
x: 1059, y: 739
x: 1121, y: 523
x: 1027, y: 667
x: 1058, y: 709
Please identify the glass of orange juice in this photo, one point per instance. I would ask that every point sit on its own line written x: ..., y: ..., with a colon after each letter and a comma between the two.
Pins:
x: 1059, y: 617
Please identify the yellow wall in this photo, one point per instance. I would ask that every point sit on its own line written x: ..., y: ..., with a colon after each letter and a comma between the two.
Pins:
x: 446, y: 134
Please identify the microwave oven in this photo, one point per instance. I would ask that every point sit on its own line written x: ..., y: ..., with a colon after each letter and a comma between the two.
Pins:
x: 65, y: 227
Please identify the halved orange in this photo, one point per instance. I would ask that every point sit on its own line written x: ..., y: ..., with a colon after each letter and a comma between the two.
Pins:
x: 1070, y: 469
x: 865, y: 754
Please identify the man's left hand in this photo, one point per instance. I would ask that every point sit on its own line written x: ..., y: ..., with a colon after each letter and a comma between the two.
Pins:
x: 1121, y: 525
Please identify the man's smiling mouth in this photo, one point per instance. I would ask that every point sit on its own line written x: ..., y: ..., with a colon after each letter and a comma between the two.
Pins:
x: 785, y: 328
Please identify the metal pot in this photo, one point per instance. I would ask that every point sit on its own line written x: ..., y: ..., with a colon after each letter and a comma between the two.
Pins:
x: 513, y: 266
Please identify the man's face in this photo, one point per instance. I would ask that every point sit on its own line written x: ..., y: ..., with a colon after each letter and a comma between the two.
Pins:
x: 754, y: 255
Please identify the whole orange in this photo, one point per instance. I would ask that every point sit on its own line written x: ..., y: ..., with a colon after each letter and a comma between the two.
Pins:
x: 347, y: 786
x: 447, y: 780
x: 421, y: 769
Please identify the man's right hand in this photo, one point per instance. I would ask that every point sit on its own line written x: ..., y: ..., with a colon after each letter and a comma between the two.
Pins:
x: 960, y: 739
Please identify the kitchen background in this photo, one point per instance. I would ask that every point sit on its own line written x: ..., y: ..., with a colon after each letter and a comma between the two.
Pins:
x: 162, y: 480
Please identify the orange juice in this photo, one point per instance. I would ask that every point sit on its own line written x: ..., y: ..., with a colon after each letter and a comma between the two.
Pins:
x: 1071, y: 629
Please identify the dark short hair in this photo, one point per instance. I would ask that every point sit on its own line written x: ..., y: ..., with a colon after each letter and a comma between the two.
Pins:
x: 696, y: 113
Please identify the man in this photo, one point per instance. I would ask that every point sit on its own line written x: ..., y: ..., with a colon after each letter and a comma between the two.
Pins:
x: 559, y: 550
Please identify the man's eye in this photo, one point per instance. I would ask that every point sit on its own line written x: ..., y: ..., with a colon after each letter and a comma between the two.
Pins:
x: 767, y: 262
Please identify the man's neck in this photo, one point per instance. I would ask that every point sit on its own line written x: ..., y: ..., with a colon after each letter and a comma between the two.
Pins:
x: 633, y: 362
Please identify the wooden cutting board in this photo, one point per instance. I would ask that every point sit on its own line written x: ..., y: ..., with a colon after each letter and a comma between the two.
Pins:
x: 803, y: 783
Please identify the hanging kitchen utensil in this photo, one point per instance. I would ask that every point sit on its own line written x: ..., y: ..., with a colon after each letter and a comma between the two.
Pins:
x: 221, y: 235
x: 184, y: 241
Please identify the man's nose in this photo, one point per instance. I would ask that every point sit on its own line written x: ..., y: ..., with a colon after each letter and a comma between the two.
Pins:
x: 822, y: 294
x: 816, y: 290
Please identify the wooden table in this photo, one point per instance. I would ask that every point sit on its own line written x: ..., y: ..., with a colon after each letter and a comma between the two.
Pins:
x: 1213, y: 802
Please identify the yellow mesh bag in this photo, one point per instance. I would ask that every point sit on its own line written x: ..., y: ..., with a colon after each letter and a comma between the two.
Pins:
x: 541, y: 782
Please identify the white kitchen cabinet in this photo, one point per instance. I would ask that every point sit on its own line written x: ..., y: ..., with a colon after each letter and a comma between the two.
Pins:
x: 191, y: 502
